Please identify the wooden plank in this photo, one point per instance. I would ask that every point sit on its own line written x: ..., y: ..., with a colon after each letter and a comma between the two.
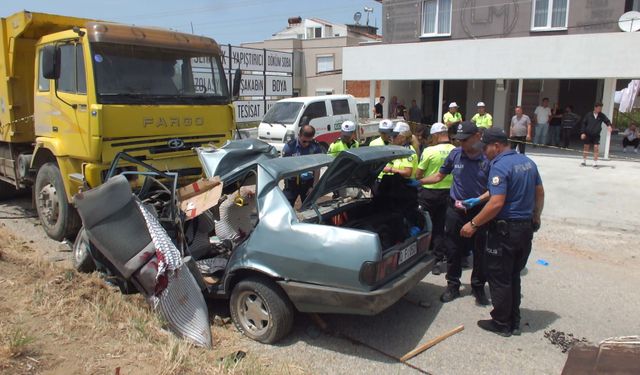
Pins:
x: 430, y: 343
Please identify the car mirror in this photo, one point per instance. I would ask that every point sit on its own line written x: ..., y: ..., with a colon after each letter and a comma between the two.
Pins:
x: 50, y: 62
x: 236, y: 84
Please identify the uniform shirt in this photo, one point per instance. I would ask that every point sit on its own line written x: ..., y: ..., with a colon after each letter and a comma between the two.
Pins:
x: 542, y: 114
x: 469, y: 175
x: 482, y: 121
x: 592, y: 123
x: 378, y: 142
x: 338, y: 146
x: 448, y: 117
x: 519, y: 125
x: 294, y: 148
x: 515, y: 176
x: 410, y: 161
x: 432, y: 159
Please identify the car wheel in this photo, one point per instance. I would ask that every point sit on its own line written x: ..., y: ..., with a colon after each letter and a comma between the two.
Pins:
x: 261, y: 310
x: 59, y: 219
x: 82, y: 259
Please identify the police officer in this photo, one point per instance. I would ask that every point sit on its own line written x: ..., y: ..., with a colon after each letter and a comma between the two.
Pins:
x: 346, y: 141
x: 384, y: 128
x: 482, y: 119
x: 512, y: 214
x: 304, y: 144
x: 452, y: 118
x: 433, y: 198
x: 405, y: 167
x: 469, y: 168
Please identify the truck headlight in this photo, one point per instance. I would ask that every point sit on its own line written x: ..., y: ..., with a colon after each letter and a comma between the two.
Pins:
x: 289, y: 136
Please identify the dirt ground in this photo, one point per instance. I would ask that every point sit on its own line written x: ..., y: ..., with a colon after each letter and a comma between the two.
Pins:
x: 54, y: 320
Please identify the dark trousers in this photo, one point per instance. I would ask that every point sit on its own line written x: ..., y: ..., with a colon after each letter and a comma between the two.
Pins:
x: 507, y: 251
x: 519, y: 143
x: 435, y: 201
x: 458, y: 247
x: 626, y: 142
x: 294, y: 188
x: 554, y: 134
x: 566, y: 137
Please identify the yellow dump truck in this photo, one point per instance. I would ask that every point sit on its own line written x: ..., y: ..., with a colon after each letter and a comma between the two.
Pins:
x: 74, y: 92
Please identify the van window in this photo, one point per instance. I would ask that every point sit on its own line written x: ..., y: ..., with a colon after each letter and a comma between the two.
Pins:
x: 314, y: 110
x: 340, y: 107
x: 43, y: 83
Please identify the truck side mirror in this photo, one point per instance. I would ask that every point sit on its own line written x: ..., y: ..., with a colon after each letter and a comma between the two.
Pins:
x: 236, y: 84
x: 50, y: 62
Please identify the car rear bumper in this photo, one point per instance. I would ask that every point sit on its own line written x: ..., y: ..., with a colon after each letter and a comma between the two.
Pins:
x: 323, y: 299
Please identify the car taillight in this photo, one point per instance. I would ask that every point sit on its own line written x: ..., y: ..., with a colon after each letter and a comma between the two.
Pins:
x: 372, y: 272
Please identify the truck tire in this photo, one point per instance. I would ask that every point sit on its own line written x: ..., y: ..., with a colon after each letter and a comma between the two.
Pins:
x: 261, y: 310
x: 82, y: 259
x: 58, y: 218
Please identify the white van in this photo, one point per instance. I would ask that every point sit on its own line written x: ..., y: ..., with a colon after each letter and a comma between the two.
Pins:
x: 325, y: 113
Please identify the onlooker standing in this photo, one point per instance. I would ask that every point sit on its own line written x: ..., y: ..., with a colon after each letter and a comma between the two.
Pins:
x: 512, y: 214
x: 520, y: 130
x: 434, y: 198
x: 393, y: 107
x: 631, y: 138
x: 401, y: 110
x: 305, y: 144
x: 541, y: 117
x: 415, y: 113
x: 569, y: 122
x: 378, y: 112
x: 469, y: 168
x: 555, y: 125
x: 482, y: 119
x: 590, y: 132
x: 452, y: 118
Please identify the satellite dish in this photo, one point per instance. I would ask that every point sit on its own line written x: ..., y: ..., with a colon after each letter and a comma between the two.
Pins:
x: 629, y: 22
x: 357, y: 16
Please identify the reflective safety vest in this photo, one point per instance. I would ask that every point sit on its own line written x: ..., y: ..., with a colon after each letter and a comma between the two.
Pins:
x: 338, y: 146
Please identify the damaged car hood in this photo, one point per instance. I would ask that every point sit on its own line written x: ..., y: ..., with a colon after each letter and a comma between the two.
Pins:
x: 231, y: 161
x: 355, y: 168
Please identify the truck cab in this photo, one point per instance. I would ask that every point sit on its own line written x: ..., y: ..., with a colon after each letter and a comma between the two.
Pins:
x: 98, y: 88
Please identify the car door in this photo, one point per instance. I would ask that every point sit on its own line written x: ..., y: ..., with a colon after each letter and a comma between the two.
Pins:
x: 316, y: 115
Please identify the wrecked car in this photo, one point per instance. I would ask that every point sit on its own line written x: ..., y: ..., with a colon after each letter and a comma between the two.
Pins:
x: 342, y: 250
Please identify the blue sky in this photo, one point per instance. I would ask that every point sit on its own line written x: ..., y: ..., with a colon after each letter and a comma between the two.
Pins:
x: 226, y: 21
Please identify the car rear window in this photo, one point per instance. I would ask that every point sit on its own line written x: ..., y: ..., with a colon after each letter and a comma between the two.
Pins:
x: 340, y: 106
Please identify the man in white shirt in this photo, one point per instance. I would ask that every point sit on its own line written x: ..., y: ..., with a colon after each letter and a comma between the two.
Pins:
x: 541, y: 118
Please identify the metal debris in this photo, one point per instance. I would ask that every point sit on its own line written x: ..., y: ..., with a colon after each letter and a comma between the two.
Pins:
x: 564, y: 341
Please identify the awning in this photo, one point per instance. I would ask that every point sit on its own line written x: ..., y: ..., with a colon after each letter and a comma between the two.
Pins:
x: 580, y: 56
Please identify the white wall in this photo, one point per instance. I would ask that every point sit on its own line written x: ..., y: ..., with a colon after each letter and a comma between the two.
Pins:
x: 570, y: 56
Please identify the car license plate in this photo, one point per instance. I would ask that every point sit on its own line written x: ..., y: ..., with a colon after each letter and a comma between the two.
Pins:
x: 407, y: 253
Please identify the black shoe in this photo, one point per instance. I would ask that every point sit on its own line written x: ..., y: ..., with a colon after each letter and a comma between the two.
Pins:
x: 450, y: 294
x: 516, y: 330
x: 491, y: 326
x: 481, y: 297
x: 437, y: 269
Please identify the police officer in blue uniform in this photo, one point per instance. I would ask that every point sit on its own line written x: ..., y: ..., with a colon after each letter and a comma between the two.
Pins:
x: 516, y: 199
x: 469, y: 168
x: 304, y: 144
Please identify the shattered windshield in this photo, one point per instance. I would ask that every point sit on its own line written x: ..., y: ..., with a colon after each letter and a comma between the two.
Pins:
x: 146, y: 75
x: 283, y: 113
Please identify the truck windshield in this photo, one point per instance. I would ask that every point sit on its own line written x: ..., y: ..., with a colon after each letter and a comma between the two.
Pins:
x: 131, y: 74
x: 283, y: 113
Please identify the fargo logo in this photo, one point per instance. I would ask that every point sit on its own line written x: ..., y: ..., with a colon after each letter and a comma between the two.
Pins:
x: 171, y: 122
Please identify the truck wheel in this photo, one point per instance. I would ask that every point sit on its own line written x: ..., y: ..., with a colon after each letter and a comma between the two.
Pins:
x: 59, y: 219
x: 82, y: 259
x: 261, y: 310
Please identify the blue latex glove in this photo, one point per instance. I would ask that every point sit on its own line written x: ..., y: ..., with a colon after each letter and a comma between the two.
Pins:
x: 413, y: 183
x: 471, y: 202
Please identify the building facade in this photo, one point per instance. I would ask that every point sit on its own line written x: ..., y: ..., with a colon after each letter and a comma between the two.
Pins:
x: 317, y: 46
x: 502, y: 52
